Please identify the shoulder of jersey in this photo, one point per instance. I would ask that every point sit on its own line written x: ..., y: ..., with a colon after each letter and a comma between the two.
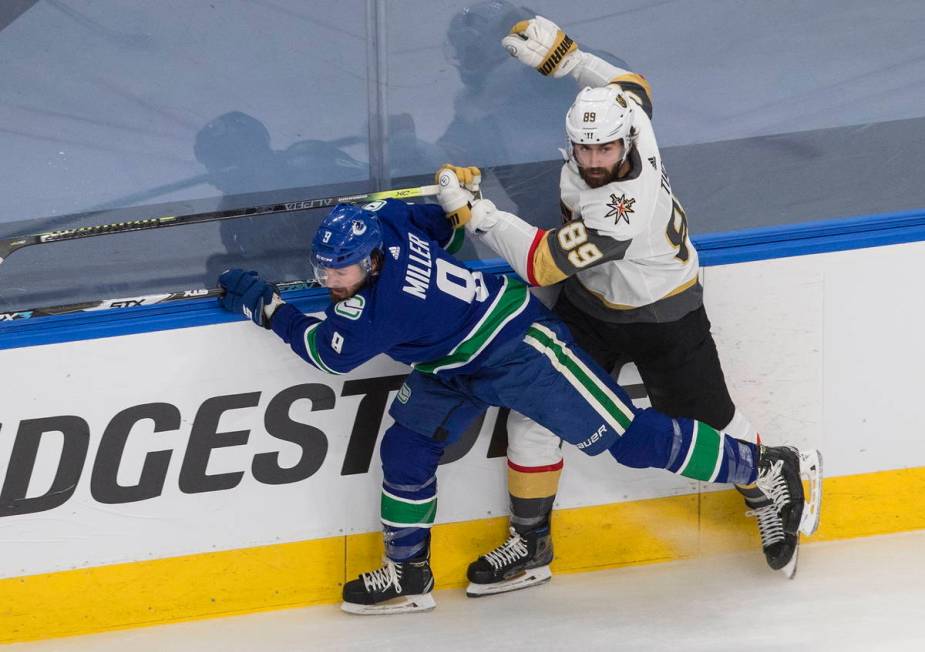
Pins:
x: 611, y: 210
x: 386, y: 207
x: 393, y: 216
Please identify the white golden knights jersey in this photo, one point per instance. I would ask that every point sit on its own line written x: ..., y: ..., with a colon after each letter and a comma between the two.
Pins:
x: 623, y: 249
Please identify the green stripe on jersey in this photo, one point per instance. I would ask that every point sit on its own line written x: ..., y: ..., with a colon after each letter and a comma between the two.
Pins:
x: 703, y: 459
x: 510, y: 302
x: 456, y: 240
x: 311, y: 347
x: 401, y: 512
x: 577, y: 372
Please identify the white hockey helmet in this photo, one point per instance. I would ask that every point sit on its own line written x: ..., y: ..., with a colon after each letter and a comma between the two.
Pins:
x: 601, y: 115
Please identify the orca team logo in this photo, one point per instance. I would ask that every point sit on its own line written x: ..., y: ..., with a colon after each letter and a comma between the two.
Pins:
x: 351, y: 308
x: 620, y: 207
x: 358, y: 227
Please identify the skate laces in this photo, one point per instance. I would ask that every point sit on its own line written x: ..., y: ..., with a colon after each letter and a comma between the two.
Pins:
x: 770, y: 526
x: 512, y: 550
x: 380, y: 580
x: 772, y: 484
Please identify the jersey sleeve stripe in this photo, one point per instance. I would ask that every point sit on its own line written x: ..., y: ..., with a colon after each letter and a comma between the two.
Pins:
x: 541, y: 266
x: 311, y: 348
x: 531, y: 277
x: 455, y: 242
x: 637, y: 86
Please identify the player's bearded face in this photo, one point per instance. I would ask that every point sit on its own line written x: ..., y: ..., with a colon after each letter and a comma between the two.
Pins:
x: 598, y: 164
x: 343, y: 282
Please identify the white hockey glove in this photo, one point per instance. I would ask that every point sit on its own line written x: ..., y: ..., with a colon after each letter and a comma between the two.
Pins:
x: 457, y: 185
x: 483, y: 216
x: 540, y: 43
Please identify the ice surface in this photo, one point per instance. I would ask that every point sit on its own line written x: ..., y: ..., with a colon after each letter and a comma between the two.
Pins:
x: 861, y: 594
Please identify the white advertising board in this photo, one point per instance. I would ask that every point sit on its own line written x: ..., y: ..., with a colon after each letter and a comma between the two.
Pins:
x: 218, y: 437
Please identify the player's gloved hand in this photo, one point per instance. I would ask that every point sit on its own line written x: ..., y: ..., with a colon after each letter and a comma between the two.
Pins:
x: 540, y: 43
x: 469, y: 177
x: 247, y: 294
x: 482, y: 216
x: 455, y: 195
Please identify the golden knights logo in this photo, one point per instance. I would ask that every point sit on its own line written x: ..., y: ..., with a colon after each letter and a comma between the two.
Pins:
x: 620, y: 208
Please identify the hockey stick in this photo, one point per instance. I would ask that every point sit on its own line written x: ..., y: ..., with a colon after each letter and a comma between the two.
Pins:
x: 132, y: 302
x: 11, y: 245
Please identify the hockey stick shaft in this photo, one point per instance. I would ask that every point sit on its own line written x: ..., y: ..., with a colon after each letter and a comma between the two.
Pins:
x: 11, y: 245
x: 132, y: 302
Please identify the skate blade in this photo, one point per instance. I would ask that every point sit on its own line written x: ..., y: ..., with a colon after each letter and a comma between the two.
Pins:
x: 811, y: 472
x: 532, y: 577
x: 403, y: 604
x: 789, y: 570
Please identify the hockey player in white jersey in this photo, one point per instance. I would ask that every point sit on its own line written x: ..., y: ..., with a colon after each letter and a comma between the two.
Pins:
x: 630, y: 291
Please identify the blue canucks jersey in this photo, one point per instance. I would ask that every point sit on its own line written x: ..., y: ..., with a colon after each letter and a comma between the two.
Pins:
x: 424, y: 307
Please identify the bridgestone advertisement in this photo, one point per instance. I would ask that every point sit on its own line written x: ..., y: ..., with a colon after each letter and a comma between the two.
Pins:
x: 163, y: 444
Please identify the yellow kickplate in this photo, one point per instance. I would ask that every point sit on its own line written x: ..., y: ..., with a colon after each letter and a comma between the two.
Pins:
x: 312, y: 572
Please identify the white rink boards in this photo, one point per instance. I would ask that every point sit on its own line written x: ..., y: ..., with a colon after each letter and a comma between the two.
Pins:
x: 154, y: 478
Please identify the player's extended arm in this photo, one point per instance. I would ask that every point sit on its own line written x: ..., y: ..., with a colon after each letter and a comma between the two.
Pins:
x: 248, y: 295
x: 301, y: 333
x: 341, y: 342
x: 541, y: 44
x: 538, y: 256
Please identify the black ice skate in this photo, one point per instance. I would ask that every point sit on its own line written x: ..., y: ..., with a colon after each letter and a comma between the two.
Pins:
x: 521, y: 561
x: 397, y: 587
x: 780, y: 548
x: 778, y: 502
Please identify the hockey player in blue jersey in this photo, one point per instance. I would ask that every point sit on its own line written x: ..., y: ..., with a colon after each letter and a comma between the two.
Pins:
x: 473, y: 340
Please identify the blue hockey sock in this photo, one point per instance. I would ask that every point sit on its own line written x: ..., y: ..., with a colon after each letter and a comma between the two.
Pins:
x: 407, y: 514
x: 686, y: 447
x: 409, y: 491
x: 709, y: 455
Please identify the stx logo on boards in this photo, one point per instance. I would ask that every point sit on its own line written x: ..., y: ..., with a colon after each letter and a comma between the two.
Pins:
x: 11, y: 316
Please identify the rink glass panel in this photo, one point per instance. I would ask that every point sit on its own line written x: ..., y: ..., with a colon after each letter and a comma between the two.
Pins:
x: 767, y: 114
